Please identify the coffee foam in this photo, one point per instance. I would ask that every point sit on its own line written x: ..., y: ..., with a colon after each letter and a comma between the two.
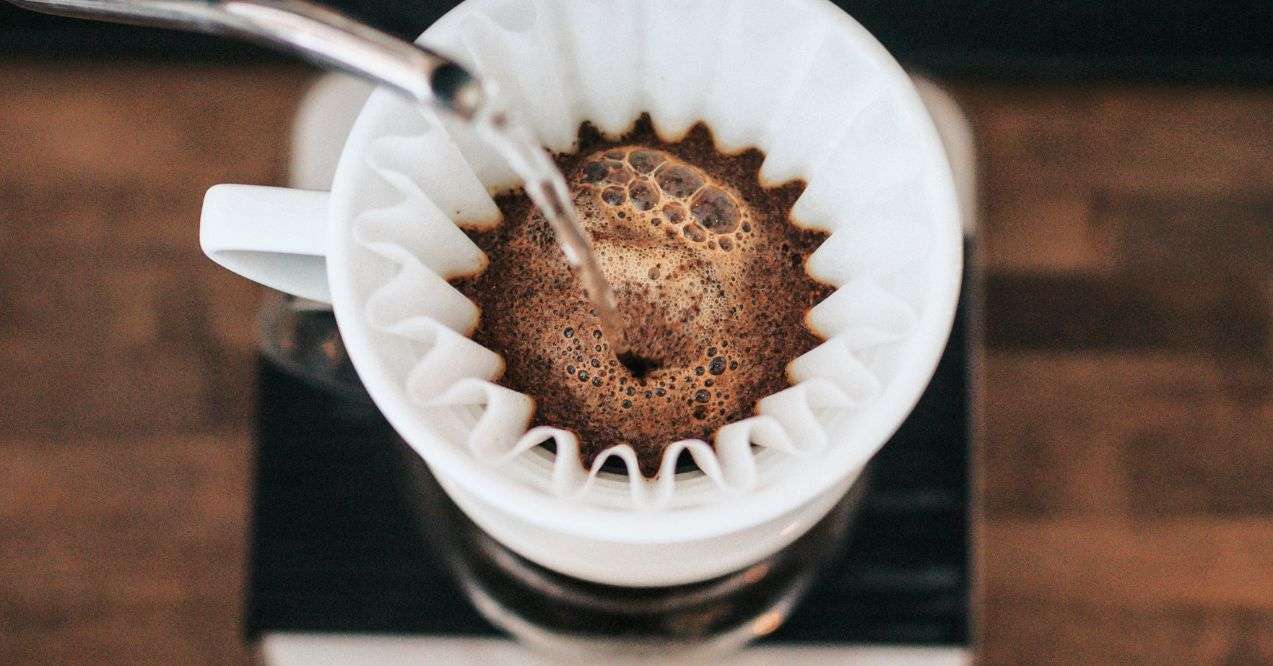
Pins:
x: 709, y: 278
x: 821, y: 108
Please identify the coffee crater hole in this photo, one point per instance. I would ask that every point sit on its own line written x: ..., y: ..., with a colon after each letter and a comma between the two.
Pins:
x: 638, y: 365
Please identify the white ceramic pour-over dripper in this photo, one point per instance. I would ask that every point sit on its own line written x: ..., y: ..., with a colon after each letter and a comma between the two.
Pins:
x: 801, y: 81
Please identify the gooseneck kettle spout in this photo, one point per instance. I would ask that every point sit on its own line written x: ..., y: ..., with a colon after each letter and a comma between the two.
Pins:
x: 317, y: 34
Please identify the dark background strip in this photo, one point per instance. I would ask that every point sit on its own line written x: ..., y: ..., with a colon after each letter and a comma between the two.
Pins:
x: 1196, y: 41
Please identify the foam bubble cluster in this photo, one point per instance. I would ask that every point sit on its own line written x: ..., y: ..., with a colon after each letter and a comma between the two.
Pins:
x: 710, y: 280
x: 654, y: 187
x: 672, y: 239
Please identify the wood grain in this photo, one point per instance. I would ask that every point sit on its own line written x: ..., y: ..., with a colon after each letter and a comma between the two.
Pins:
x: 125, y: 358
x: 1126, y: 472
x: 1125, y: 510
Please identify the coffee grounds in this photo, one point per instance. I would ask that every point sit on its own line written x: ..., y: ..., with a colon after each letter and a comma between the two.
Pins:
x: 710, y: 278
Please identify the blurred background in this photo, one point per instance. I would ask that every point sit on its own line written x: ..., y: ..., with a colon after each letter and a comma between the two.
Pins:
x: 1123, y: 497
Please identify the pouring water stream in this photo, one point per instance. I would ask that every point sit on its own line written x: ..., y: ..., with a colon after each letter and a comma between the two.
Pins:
x: 547, y: 188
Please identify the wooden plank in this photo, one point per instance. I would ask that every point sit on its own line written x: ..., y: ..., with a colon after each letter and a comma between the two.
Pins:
x: 1203, y: 563
x: 102, y: 350
x: 1083, y: 136
x: 123, y: 549
x: 1227, y: 315
x: 1044, y: 631
x: 150, y: 123
x: 1168, y: 233
x: 123, y: 498
x: 105, y: 218
x: 1033, y: 229
x: 1117, y: 434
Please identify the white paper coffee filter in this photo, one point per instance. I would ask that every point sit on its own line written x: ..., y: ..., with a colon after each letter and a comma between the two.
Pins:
x: 758, y: 73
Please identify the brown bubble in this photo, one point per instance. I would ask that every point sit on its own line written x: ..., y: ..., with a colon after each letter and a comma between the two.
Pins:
x: 644, y: 161
x: 717, y: 366
x: 715, y: 210
x: 619, y: 173
x: 613, y: 195
x: 677, y: 180
x: 643, y: 195
x: 593, y: 172
x: 675, y: 213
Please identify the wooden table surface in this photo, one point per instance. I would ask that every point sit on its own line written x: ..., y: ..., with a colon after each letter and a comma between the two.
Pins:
x: 1125, y: 482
